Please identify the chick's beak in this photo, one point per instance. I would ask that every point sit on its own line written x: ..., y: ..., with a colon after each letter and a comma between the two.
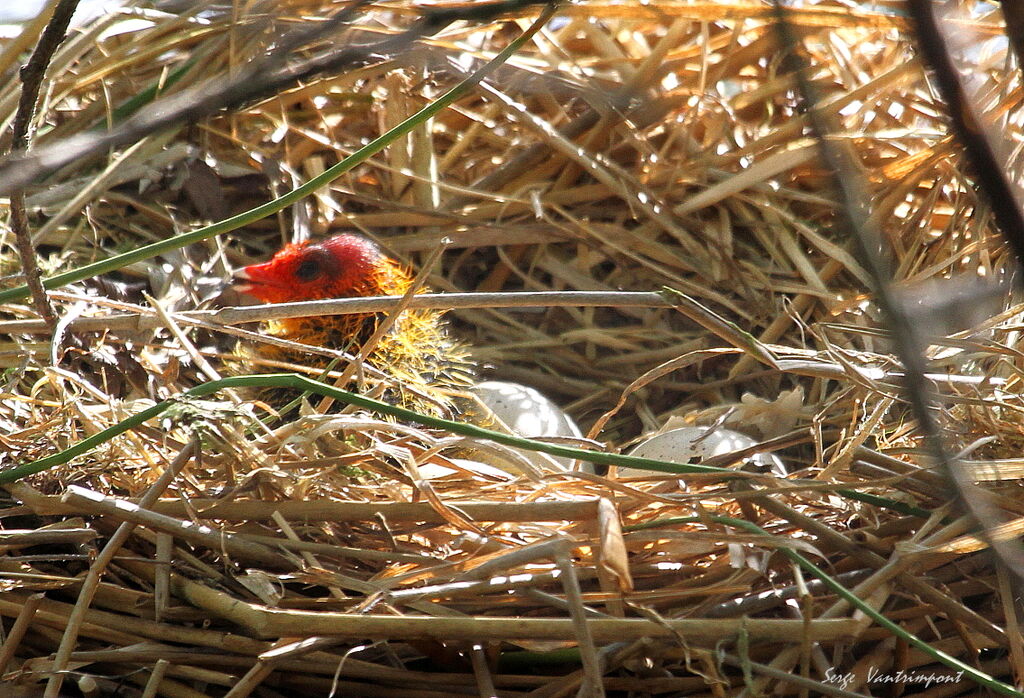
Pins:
x: 241, y: 281
x: 260, y: 281
x: 254, y: 277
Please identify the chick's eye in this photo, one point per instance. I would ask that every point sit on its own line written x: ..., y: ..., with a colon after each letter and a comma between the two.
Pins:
x: 308, y: 269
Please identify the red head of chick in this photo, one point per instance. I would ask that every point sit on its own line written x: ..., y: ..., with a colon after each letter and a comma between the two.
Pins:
x: 339, y: 267
x: 418, y: 348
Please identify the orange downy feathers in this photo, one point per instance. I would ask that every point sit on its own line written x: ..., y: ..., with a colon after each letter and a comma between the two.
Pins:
x: 416, y: 350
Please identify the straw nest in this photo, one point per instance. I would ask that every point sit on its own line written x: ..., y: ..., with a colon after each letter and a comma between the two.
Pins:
x: 627, y: 146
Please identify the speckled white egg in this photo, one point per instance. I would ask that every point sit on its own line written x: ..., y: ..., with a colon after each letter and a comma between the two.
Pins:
x: 526, y: 411
x: 687, y: 444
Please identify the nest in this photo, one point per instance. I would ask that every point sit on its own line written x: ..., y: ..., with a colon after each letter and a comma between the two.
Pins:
x: 225, y: 548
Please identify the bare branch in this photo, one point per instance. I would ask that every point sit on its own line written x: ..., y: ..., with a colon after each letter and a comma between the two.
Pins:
x: 32, y: 74
x: 907, y: 342
x: 142, y: 318
x: 987, y: 167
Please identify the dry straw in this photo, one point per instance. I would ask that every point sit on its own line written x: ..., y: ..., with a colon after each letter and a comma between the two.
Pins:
x: 219, y: 549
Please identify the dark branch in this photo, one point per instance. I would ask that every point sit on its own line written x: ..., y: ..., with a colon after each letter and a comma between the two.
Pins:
x: 853, y: 215
x: 989, y: 170
x: 32, y: 74
x: 1013, y: 18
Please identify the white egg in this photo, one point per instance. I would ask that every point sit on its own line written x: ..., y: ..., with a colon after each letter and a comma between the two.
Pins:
x: 527, y: 412
x: 687, y: 444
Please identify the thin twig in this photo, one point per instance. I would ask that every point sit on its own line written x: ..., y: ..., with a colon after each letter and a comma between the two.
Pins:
x: 32, y: 74
x: 144, y: 318
x: 1013, y: 16
x: 988, y: 165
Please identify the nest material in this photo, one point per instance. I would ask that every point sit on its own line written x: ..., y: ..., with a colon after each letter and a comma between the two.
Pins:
x: 628, y: 147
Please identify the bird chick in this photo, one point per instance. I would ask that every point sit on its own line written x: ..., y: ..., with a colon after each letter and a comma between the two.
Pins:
x: 417, y: 350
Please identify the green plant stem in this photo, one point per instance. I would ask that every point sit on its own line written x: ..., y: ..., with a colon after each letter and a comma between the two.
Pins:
x: 296, y: 382
x: 150, y: 94
x: 885, y: 503
x: 528, y: 659
x: 981, y: 678
x: 301, y: 383
x: 275, y: 205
